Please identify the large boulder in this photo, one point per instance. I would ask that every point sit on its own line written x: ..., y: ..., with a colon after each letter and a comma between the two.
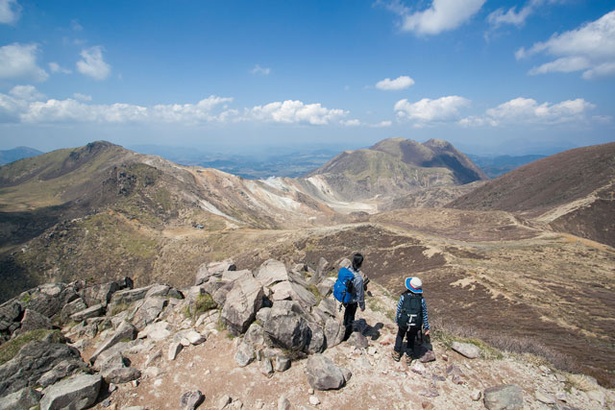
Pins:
x: 75, y: 393
x: 149, y: 311
x: 242, y: 303
x: 323, y: 374
x: 286, y: 328
x: 271, y: 272
x: 34, y: 360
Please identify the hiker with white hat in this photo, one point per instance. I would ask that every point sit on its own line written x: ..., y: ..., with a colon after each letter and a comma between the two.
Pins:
x: 411, y: 317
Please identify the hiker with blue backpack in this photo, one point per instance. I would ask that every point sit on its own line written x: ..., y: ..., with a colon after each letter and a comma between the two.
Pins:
x: 411, y: 318
x: 349, y: 289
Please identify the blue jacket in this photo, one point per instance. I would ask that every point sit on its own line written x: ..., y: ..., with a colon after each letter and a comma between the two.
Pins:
x: 400, y: 304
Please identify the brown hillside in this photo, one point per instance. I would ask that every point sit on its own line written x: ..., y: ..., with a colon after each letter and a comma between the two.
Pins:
x: 573, y: 191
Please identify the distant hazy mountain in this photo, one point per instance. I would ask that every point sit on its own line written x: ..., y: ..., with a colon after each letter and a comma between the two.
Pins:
x: 396, y: 167
x: 496, y: 166
x: 279, y: 163
x: 8, y: 156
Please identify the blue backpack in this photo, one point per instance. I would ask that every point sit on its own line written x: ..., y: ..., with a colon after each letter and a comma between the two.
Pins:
x: 343, y: 289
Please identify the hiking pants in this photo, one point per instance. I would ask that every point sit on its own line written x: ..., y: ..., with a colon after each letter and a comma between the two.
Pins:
x: 410, y: 334
x: 349, y: 313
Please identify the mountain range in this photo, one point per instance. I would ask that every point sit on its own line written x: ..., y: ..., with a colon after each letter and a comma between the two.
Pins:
x: 484, y: 248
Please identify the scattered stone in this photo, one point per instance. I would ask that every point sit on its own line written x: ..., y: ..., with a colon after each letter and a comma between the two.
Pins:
x: 314, y: 400
x: 429, y: 356
x: 466, y: 349
x: 266, y: 367
x: 323, y: 374
x: 77, y: 393
x: 191, y: 400
x: 418, y: 368
x: 282, y: 363
x: 544, y: 398
x: 427, y: 405
x: 245, y: 354
x: 503, y: 397
x: 224, y: 401
x: 121, y: 375
x: 283, y: 403
x: 476, y: 395
x: 93, y: 311
x: 174, y: 349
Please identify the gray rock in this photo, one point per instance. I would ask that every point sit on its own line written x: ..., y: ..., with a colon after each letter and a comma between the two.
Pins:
x: 283, y: 403
x: 126, y: 331
x: 317, y: 342
x: 503, y: 397
x: 100, y: 293
x: 174, y: 348
x: 266, y: 367
x: 282, y: 363
x: 149, y: 311
x: 24, y: 399
x: 75, y: 393
x: 286, y: 328
x: 323, y: 374
x: 242, y: 303
x: 73, y: 307
x: 334, y: 332
x: 157, y: 331
x: 33, y: 320
x: 121, y: 375
x: 127, y: 297
x: 224, y: 401
x: 271, y: 272
x: 32, y: 362
x: 191, y: 400
x: 10, y: 311
x: 466, y: 349
x: 245, y: 354
x: 60, y: 371
x: 91, y: 312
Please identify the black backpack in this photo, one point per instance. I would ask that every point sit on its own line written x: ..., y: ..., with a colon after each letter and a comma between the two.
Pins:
x: 411, y: 314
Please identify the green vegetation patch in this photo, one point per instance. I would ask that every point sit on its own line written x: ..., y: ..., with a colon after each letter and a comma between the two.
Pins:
x: 11, y: 348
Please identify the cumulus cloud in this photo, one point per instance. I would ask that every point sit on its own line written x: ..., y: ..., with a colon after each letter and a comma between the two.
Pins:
x: 10, y: 11
x: 528, y: 111
x: 92, y: 64
x: 19, y: 61
x: 589, y: 49
x: 25, y: 104
x: 294, y: 111
x: 442, y: 15
x: 400, y: 83
x: 263, y: 71
x: 425, y: 111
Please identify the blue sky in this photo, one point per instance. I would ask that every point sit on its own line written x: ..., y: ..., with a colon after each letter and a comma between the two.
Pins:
x: 490, y: 76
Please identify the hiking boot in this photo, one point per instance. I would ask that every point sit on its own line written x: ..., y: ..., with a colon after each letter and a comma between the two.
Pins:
x: 396, y: 356
x: 409, y: 360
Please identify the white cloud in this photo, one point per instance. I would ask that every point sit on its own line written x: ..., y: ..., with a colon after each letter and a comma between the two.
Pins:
x: 56, y: 68
x: 19, y: 61
x: 443, y: 15
x: 513, y: 17
x: 427, y: 110
x: 527, y: 111
x: 400, y: 83
x: 264, y: 71
x: 590, y: 49
x: 26, y: 93
x: 92, y: 64
x: 25, y: 104
x: 294, y: 111
x: 10, y: 11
